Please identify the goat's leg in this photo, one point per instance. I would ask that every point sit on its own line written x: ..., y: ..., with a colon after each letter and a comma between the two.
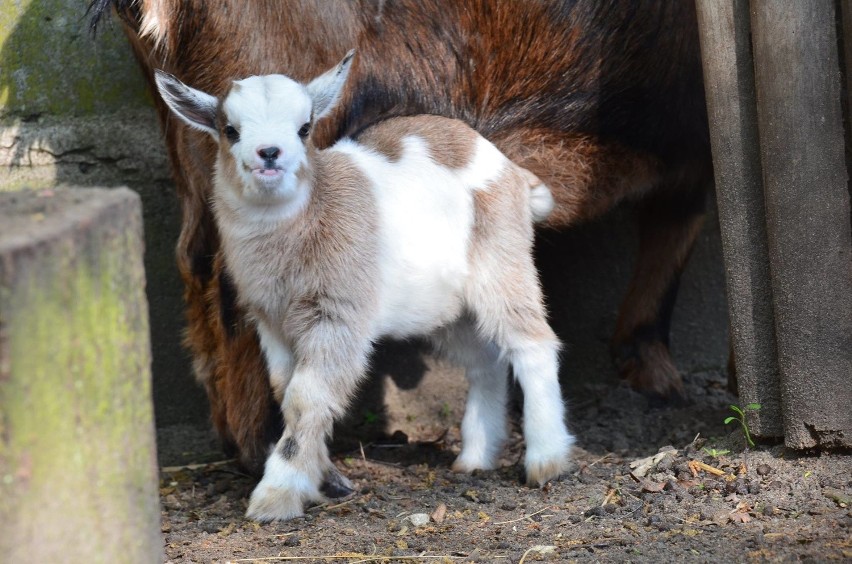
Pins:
x: 319, y: 391
x: 669, y: 223
x: 484, y: 424
x: 509, y: 310
x: 548, y: 442
x: 279, y: 360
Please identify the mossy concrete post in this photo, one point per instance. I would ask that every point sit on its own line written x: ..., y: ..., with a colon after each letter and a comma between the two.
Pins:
x: 729, y: 81
x: 78, y: 476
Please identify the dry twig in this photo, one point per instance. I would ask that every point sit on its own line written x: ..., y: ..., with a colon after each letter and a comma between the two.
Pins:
x: 522, y: 518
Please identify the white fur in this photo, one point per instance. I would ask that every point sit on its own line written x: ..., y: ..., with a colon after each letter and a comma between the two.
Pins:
x: 282, y: 493
x: 541, y: 202
x: 484, y: 424
x: 477, y: 296
x: 425, y: 221
x: 279, y: 359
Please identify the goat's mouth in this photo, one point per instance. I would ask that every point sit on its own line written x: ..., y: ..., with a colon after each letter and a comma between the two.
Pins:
x: 261, y: 172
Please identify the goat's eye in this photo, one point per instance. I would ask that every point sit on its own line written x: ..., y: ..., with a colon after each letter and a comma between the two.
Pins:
x: 304, y: 130
x: 232, y: 134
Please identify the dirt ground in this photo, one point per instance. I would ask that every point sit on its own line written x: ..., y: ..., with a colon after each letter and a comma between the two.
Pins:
x: 685, y: 499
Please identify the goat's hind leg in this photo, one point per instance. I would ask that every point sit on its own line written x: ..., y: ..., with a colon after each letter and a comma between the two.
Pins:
x: 484, y: 424
x: 510, y: 311
x: 548, y: 442
x: 506, y: 300
x: 670, y: 221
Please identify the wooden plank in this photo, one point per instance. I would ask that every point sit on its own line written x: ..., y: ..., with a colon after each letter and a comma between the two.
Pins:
x: 729, y: 84
x: 78, y: 478
x: 802, y: 141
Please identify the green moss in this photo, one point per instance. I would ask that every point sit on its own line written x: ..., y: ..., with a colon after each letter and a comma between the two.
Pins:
x: 49, y: 63
x: 76, y: 411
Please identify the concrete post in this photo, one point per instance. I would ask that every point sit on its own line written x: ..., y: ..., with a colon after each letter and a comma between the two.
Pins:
x: 78, y: 476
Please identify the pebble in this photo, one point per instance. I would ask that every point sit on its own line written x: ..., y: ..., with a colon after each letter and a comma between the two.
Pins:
x: 682, y: 468
x: 697, y: 490
x: 659, y: 523
x: 665, y: 464
x: 764, y: 469
x: 292, y: 540
x: 211, y: 526
x: 418, y: 519
x: 508, y: 506
x: 754, y: 487
x: 655, y: 520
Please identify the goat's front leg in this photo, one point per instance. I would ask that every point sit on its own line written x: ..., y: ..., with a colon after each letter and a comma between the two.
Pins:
x: 318, y: 392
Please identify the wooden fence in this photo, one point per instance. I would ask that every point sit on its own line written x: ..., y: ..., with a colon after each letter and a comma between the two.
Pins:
x: 778, y: 100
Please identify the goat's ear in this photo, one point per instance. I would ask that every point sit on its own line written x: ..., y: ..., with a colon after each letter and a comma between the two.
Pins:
x: 196, y: 108
x: 325, y: 89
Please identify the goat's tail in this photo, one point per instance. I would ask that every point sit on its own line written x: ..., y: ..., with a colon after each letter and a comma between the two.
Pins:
x: 541, y: 200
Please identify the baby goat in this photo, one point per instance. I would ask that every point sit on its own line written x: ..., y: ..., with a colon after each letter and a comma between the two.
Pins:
x: 420, y: 227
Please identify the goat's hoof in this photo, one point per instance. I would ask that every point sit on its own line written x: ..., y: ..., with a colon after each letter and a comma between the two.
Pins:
x: 336, y: 485
x: 540, y: 472
x: 467, y: 464
x: 651, y: 372
x: 269, y: 503
x: 544, y: 464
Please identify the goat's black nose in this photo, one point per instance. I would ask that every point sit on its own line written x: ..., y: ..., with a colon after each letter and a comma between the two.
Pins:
x: 268, y: 153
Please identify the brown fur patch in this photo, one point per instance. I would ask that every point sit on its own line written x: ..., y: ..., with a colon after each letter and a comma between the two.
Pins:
x: 503, y: 235
x: 451, y: 142
x: 384, y: 140
x: 587, y: 177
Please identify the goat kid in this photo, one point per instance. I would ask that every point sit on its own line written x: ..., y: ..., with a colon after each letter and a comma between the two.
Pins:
x: 421, y: 227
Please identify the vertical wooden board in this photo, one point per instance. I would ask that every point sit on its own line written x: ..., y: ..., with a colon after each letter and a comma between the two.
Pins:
x: 802, y: 142
x: 78, y: 480
x: 729, y: 83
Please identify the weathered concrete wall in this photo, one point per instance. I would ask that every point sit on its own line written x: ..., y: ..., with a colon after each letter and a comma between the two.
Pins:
x: 50, y: 66
x: 73, y: 110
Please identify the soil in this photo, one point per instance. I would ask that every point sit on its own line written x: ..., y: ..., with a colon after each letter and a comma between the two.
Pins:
x: 644, y: 488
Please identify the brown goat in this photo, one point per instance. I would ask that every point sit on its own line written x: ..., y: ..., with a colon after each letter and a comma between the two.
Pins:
x: 601, y: 99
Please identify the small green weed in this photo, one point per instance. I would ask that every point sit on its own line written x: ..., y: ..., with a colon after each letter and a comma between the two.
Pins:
x: 370, y: 418
x: 716, y: 453
x: 741, y: 417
